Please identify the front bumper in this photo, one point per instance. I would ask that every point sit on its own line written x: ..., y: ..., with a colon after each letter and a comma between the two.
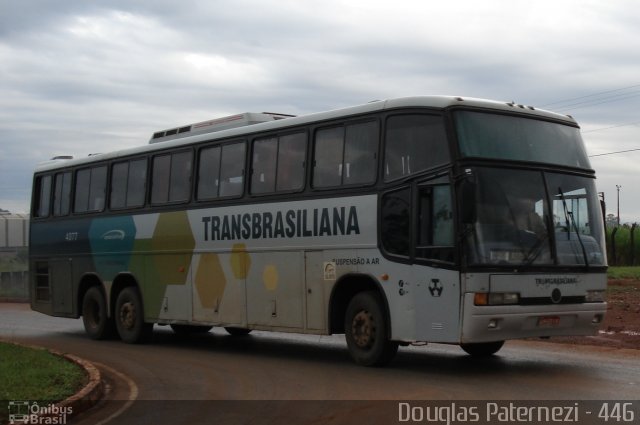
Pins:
x: 498, y: 323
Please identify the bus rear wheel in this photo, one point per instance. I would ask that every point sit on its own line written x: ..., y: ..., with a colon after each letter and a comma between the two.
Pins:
x: 129, y: 317
x: 482, y: 349
x: 366, y: 331
x: 96, y: 322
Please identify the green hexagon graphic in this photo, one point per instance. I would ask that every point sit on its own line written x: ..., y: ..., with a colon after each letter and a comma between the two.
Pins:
x: 172, y: 245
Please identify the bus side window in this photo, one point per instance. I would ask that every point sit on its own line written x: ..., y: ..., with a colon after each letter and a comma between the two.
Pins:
x: 292, y: 152
x: 278, y: 163
x: 328, y: 157
x: 232, y: 169
x: 360, y: 153
x: 180, y: 183
x: 160, y: 179
x: 346, y: 155
x: 395, y: 217
x: 98, y: 188
x: 62, y: 194
x: 414, y: 143
x: 209, y: 173
x: 128, y: 184
x: 264, y: 162
x: 435, y: 223
x: 171, y: 180
x: 137, y: 183
x: 91, y: 186
x: 221, y: 171
x: 119, y: 176
x: 42, y: 197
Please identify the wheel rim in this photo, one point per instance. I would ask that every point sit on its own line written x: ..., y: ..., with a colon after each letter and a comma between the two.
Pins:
x: 363, y: 329
x: 128, y: 315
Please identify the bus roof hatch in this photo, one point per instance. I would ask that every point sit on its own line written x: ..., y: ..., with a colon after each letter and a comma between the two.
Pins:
x: 218, y: 124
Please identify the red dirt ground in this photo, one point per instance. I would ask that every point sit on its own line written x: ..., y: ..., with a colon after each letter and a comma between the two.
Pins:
x: 621, y: 327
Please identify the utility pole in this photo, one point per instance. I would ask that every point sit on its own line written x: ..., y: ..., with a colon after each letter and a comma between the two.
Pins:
x: 603, y: 207
x: 618, y: 187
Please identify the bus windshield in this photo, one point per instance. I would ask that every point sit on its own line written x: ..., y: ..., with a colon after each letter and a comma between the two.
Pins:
x: 490, y: 135
x: 534, y: 218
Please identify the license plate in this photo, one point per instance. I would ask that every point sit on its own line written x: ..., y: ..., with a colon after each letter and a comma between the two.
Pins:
x: 548, y: 321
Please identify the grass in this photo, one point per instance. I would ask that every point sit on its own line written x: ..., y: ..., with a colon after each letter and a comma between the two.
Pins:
x: 15, y: 293
x: 29, y: 374
x: 625, y: 255
x: 624, y: 273
x: 12, y: 266
x: 14, y: 262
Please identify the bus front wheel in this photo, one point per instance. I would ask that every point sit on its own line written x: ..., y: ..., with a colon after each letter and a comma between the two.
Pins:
x: 94, y: 315
x: 366, y: 331
x: 482, y: 349
x: 233, y: 331
x: 129, y: 317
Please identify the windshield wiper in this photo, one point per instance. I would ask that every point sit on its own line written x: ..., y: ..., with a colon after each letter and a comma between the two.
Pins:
x: 571, y: 222
x: 535, y: 250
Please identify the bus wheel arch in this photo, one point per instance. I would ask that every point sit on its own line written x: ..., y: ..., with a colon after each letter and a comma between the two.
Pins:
x: 344, y: 290
x: 359, y: 308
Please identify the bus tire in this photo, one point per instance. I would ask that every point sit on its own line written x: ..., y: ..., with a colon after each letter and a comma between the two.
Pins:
x: 129, y: 316
x: 190, y: 329
x: 366, y: 331
x: 96, y: 322
x: 237, y: 331
x: 482, y: 349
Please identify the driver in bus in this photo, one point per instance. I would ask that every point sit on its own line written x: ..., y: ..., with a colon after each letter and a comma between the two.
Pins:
x: 527, y: 218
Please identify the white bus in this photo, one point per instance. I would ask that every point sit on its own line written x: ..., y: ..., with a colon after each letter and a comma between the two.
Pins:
x: 439, y: 219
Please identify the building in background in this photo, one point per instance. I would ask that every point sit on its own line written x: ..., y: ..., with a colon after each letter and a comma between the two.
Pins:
x: 14, y: 240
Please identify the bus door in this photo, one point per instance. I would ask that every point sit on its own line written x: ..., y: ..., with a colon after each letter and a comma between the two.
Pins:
x: 436, y: 286
x: 61, y: 280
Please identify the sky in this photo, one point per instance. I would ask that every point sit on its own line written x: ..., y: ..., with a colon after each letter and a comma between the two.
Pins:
x: 80, y: 77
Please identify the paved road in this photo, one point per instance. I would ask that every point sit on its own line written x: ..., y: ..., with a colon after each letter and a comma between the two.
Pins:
x: 272, y: 366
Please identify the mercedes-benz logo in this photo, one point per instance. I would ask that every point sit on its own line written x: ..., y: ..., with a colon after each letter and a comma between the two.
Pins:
x: 556, y: 296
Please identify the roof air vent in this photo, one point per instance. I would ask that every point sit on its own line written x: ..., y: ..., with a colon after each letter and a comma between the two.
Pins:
x: 218, y: 124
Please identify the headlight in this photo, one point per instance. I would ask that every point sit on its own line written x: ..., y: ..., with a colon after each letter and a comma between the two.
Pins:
x: 496, y: 298
x: 594, y: 296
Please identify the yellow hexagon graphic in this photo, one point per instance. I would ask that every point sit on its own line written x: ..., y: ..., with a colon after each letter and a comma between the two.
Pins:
x: 172, y: 245
x: 173, y: 235
x: 210, y: 280
x: 240, y: 261
x: 270, y: 277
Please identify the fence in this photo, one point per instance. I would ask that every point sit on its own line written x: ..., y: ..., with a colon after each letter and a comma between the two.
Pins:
x: 623, y: 245
x: 14, y: 286
x: 14, y: 230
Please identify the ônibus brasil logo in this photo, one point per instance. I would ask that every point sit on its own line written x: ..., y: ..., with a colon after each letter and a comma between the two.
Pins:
x: 30, y: 412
